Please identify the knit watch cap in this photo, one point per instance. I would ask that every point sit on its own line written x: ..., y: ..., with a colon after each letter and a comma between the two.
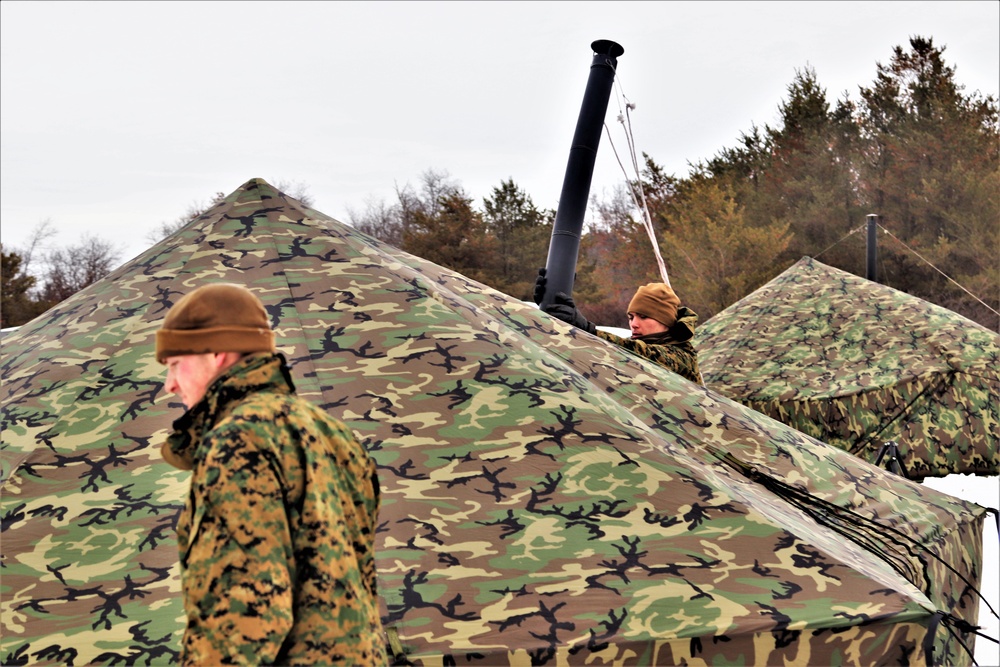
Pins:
x: 655, y: 300
x: 219, y: 317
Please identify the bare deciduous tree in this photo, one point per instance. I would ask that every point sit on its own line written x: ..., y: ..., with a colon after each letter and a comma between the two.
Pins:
x: 194, y: 211
x: 296, y: 189
x: 70, y: 269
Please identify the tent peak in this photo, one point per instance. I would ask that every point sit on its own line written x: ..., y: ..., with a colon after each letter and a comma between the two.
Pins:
x: 255, y: 183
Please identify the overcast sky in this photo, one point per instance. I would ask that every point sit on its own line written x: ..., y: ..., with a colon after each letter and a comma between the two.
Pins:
x: 118, y: 116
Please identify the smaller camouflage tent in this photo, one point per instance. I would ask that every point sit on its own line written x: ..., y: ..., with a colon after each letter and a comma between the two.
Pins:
x: 857, y: 364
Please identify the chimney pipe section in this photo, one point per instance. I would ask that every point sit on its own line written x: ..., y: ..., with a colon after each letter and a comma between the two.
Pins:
x: 564, y: 246
x: 871, y: 270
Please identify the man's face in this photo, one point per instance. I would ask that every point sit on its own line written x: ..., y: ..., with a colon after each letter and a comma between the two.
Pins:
x: 643, y: 326
x: 188, y: 376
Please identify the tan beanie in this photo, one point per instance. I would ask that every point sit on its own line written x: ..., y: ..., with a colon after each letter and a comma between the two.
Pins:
x: 655, y: 300
x: 215, y: 318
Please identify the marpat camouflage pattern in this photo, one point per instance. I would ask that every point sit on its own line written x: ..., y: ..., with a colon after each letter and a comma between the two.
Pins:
x: 277, y: 539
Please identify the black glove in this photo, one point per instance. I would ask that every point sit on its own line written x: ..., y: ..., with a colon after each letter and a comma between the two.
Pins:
x: 562, y: 306
x: 539, y: 286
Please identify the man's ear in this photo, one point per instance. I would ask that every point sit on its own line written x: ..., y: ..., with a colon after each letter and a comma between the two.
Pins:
x: 224, y: 360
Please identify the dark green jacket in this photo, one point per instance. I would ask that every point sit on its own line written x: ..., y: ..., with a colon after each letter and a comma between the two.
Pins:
x: 673, y: 349
x: 277, y: 537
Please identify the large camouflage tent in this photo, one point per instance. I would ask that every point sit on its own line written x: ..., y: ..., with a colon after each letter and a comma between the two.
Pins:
x: 547, y: 498
x: 858, y: 365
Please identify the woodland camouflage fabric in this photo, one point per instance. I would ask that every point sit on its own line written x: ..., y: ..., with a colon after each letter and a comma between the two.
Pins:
x: 277, y: 541
x: 547, y: 497
x: 857, y: 364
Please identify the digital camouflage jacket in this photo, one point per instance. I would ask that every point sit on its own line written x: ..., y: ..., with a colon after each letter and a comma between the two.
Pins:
x: 277, y: 536
x: 673, y: 350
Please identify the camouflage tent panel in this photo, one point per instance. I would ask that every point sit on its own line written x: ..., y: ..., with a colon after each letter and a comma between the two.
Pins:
x: 522, y: 464
x: 890, y: 517
x: 89, y: 508
x: 857, y: 364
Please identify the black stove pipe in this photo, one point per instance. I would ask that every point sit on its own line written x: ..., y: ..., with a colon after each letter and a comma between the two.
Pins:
x: 564, y: 246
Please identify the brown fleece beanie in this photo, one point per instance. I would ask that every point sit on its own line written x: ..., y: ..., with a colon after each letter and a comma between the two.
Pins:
x: 655, y: 300
x: 215, y: 318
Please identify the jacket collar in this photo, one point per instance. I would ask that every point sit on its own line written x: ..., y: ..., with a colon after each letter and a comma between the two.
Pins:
x: 681, y: 332
x: 252, y: 373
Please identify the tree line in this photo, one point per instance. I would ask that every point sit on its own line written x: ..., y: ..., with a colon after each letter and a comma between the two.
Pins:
x: 913, y: 148
x: 37, y: 277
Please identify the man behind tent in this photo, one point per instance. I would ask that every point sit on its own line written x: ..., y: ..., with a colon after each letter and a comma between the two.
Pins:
x: 277, y: 536
x: 662, y: 329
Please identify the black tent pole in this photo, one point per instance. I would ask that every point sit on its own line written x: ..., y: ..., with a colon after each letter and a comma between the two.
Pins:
x: 564, y: 246
x: 871, y: 271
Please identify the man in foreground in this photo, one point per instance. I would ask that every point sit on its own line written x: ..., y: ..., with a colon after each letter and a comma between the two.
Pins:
x: 277, y: 536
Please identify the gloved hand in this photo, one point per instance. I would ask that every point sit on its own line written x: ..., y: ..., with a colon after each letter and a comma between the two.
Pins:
x: 539, y: 286
x: 562, y: 306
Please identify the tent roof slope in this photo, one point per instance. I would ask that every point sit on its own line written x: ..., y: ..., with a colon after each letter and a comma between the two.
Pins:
x: 546, y: 497
x: 858, y: 364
